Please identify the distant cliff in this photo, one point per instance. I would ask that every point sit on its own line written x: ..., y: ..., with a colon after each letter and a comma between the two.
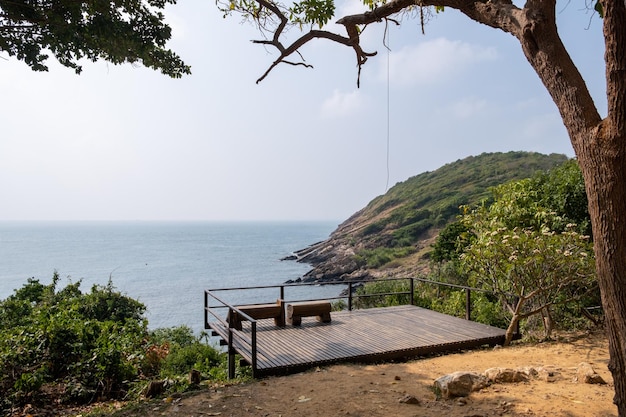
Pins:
x: 392, y: 235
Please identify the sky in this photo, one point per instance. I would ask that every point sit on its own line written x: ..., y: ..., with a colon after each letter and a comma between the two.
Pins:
x: 126, y: 143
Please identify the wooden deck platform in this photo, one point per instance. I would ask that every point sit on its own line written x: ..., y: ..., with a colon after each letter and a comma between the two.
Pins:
x: 357, y: 336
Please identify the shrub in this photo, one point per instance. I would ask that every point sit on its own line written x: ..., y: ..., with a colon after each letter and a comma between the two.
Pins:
x: 185, y: 352
x: 51, y: 335
x: 368, y: 295
x: 91, y: 346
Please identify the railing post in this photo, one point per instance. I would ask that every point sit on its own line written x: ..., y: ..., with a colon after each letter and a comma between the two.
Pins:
x: 349, y: 296
x: 412, y: 287
x: 468, y: 304
x: 254, y: 357
x: 206, y: 311
x: 282, y: 292
x: 231, y: 351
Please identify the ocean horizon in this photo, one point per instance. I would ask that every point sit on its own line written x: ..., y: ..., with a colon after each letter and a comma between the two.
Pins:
x: 165, y: 265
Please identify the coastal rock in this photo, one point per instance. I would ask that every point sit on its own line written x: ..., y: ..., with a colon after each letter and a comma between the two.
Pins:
x: 330, y: 263
x: 505, y: 375
x: 587, y: 375
x: 335, y: 259
x: 459, y: 384
x: 410, y: 399
x: 548, y: 373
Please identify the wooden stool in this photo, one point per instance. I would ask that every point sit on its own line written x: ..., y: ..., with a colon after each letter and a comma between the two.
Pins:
x: 260, y: 311
x: 320, y: 309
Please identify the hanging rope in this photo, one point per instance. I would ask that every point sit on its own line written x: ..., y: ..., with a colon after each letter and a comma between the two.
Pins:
x: 386, y: 43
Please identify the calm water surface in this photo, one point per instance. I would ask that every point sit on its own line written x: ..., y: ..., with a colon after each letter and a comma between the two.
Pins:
x: 164, y: 265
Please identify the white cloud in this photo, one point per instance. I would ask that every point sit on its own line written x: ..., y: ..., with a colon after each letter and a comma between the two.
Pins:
x: 468, y: 107
x: 434, y: 61
x: 342, y: 104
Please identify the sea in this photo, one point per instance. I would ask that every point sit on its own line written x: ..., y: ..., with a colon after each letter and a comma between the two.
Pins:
x: 165, y: 265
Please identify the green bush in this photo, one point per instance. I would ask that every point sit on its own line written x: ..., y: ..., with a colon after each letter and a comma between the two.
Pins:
x: 368, y: 295
x: 51, y: 335
x: 90, y: 346
x: 186, y: 352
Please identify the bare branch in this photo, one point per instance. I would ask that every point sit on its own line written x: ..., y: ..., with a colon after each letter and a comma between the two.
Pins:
x: 281, y: 27
x: 307, y: 37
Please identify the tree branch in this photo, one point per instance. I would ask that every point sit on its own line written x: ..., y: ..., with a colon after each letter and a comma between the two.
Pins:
x: 285, y: 52
x: 281, y: 26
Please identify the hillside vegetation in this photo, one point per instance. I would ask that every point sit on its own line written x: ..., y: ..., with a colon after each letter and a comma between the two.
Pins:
x: 395, y: 229
x: 62, y: 347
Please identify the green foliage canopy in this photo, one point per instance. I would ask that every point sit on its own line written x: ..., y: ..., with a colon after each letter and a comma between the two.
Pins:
x: 518, y: 251
x: 118, y: 31
x: 556, y: 198
x: 90, y: 345
x: 562, y: 190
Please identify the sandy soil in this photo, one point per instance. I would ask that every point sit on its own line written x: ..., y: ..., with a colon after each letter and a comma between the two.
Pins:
x: 378, y: 390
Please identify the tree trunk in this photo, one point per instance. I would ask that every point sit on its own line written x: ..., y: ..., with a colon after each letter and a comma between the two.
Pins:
x: 511, y: 330
x: 602, y: 158
x: 547, y: 322
x: 514, y: 324
x: 603, y: 162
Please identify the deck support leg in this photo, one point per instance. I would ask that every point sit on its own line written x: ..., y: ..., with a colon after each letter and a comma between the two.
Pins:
x: 231, y: 364
x: 349, y: 296
x: 254, y: 346
x: 231, y: 353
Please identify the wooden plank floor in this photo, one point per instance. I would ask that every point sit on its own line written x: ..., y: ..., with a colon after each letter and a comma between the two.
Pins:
x: 361, y: 336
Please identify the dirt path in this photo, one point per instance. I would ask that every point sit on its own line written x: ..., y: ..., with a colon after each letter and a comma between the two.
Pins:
x: 377, y: 390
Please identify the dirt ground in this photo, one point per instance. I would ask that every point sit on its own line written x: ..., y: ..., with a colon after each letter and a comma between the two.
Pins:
x: 379, y: 390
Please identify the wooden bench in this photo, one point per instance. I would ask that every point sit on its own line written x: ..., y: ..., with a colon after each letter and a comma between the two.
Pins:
x: 274, y: 311
x: 296, y: 311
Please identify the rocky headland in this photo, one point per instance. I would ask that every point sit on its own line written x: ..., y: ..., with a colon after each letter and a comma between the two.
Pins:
x: 393, y: 234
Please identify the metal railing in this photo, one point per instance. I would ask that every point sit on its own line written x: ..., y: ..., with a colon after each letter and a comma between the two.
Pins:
x: 235, y: 338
